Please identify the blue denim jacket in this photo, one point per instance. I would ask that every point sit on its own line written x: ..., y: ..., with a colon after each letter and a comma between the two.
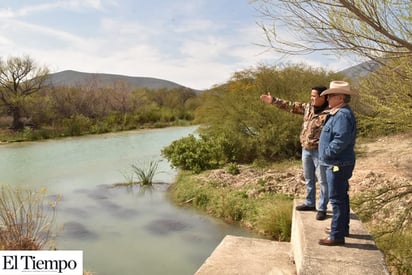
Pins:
x: 337, y: 139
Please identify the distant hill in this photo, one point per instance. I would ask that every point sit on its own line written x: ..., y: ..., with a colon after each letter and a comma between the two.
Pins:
x: 71, y: 78
x: 360, y: 70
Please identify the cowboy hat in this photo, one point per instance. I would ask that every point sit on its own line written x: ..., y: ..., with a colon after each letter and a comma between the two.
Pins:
x: 339, y: 87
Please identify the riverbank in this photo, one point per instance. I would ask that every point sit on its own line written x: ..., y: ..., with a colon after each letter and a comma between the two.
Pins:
x: 8, y: 136
x: 47, y: 133
x: 382, y: 162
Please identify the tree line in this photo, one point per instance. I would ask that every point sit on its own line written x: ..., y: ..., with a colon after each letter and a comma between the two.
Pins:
x: 30, y: 105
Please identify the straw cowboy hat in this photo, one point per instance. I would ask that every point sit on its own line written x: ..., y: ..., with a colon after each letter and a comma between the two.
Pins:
x: 339, y: 87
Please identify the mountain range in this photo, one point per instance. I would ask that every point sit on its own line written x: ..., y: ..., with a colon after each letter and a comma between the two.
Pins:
x: 72, y: 78
x: 360, y: 70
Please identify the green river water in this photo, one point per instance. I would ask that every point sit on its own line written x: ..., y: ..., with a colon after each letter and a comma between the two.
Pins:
x: 120, y: 230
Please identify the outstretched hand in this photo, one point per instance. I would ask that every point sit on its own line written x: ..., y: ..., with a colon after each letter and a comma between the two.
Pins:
x: 266, y: 98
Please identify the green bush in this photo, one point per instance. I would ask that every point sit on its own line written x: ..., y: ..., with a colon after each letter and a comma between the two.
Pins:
x: 248, y: 129
x: 233, y: 168
x: 384, y: 105
x: 195, y: 154
x: 77, y: 125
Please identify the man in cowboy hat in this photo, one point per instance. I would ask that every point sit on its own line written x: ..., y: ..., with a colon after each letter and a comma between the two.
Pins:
x: 336, y: 153
x: 313, y: 117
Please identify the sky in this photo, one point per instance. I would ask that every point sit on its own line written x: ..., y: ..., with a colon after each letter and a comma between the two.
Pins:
x: 195, y: 43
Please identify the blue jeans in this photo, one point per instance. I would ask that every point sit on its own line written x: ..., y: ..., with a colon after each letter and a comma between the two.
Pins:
x: 338, y: 182
x: 312, y: 171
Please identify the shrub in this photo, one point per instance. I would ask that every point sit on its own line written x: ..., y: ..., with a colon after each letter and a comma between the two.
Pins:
x: 385, y: 103
x: 77, y: 125
x: 233, y: 168
x: 191, y: 153
x: 248, y: 129
x: 26, y: 219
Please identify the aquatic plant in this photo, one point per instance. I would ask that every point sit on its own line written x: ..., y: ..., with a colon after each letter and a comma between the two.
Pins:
x: 146, y: 171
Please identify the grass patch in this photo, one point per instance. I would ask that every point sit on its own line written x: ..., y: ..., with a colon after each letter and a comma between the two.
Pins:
x: 275, y: 220
x: 397, y: 248
x: 268, y: 214
x: 143, y: 172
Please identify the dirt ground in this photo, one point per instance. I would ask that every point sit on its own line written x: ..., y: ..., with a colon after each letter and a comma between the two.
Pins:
x: 386, y: 159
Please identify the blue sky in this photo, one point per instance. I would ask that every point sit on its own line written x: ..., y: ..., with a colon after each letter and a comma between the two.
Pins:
x: 196, y: 43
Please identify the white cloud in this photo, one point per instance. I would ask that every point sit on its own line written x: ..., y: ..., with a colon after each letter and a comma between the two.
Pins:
x: 209, y: 48
x: 75, y: 5
x: 187, y: 42
x: 80, y: 4
x: 6, y: 13
x: 26, y: 10
x: 51, y: 33
x: 196, y: 25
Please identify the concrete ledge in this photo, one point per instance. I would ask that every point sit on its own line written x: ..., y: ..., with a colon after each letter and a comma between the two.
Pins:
x: 359, y: 255
x: 245, y: 256
x: 241, y: 255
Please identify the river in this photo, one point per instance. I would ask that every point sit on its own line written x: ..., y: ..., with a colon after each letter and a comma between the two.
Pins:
x: 120, y: 230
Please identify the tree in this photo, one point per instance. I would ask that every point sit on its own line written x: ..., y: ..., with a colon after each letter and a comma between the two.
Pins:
x: 372, y: 29
x: 386, y: 100
x: 378, y: 30
x: 20, y: 78
x: 248, y: 129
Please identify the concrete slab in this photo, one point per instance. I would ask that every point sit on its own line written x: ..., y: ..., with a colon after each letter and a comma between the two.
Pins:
x: 246, y: 256
x: 359, y: 255
x: 302, y: 256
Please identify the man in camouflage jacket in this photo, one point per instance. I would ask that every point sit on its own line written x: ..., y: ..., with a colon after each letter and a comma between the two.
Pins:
x: 314, y: 114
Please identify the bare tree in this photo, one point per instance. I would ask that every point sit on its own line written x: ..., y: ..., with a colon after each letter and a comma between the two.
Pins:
x: 372, y: 29
x: 19, y: 78
x: 378, y: 30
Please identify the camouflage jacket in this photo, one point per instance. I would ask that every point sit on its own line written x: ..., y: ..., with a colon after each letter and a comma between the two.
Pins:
x: 312, y: 121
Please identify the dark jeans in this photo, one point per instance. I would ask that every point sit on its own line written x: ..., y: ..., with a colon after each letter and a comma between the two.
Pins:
x: 338, y: 185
